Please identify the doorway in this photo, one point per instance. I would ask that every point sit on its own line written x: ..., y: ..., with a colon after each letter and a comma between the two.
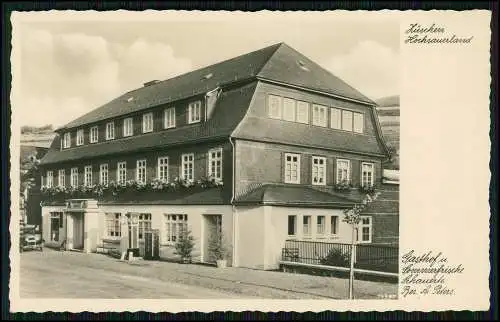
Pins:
x: 78, y: 230
x: 211, y: 225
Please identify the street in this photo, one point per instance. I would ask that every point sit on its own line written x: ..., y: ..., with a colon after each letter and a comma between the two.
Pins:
x: 54, y: 274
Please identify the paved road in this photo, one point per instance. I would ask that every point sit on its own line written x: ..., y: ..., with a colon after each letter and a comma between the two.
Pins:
x: 53, y: 275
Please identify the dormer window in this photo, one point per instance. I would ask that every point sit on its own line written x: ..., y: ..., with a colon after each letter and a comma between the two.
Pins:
x: 110, y: 131
x: 67, y: 140
x: 194, y: 114
x: 94, y: 134
x: 79, y: 137
x: 147, y: 123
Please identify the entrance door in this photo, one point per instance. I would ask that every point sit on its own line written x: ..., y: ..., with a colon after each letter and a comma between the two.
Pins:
x: 211, y: 225
x: 78, y: 230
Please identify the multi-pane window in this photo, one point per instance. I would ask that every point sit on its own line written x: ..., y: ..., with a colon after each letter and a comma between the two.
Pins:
x: 174, y: 225
x: 334, y: 225
x: 144, y: 224
x: 346, y: 120
x: 61, y: 178
x: 306, y: 225
x: 367, y: 174
x: 50, y: 179
x: 364, y: 230
x: 88, y: 175
x: 320, y: 225
x: 303, y: 112
x: 110, y: 131
x: 292, y: 225
x: 318, y: 171
x: 215, y: 163
x: 128, y: 126
x: 79, y: 137
x: 335, y: 118
x: 292, y: 168
x: 188, y: 166
x: 113, y: 225
x: 121, y: 172
x: 289, y: 109
x: 74, y: 177
x: 67, y: 140
x: 358, y: 123
x: 103, y: 174
x: 343, y: 171
x: 194, y: 112
x: 94, y: 134
x: 319, y: 115
x: 274, y: 106
x: 169, y: 118
x: 141, y: 171
x: 163, y: 168
x: 147, y: 123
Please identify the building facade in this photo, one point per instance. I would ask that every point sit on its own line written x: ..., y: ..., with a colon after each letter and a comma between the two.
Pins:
x: 267, y: 146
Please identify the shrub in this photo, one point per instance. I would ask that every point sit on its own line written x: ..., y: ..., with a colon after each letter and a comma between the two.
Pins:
x: 217, y: 245
x: 184, y: 245
x: 336, y: 257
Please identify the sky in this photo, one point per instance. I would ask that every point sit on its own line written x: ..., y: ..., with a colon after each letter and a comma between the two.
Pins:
x: 71, y: 64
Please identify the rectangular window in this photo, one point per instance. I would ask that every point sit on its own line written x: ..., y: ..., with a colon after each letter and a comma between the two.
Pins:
x: 169, y: 118
x: 55, y: 221
x: 347, y: 120
x: 335, y: 118
x: 113, y: 224
x: 144, y: 224
x: 365, y: 227
x: 61, y: 176
x: 163, y: 169
x: 121, y: 172
x: 74, y: 177
x: 318, y: 170
x: 289, y: 109
x: 94, y: 134
x: 306, y: 225
x: 292, y: 168
x: 319, y: 115
x: 128, y: 126
x: 110, y: 131
x: 188, y: 167
x: 334, y: 225
x: 103, y: 174
x: 88, y: 176
x: 358, y: 123
x: 141, y: 171
x: 50, y: 179
x: 367, y: 174
x: 215, y: 163
x: 174, y: 225
x: 292, y: 225
x: 194, y: 111
x: 303, y: 112
x: 320, y: 225
x: 67, y: 140
x: 147, y: 123
x: 79, y: 137
x: 343, y: 171
x: 274, y: 106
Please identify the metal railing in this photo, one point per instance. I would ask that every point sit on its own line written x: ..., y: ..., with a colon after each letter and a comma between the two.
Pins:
x: 374, y: 257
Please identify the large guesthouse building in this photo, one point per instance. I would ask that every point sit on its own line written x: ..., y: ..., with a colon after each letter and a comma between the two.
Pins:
x: 266, y: 147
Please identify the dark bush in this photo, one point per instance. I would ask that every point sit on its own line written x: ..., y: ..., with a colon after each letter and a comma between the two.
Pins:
x: 336, y: 257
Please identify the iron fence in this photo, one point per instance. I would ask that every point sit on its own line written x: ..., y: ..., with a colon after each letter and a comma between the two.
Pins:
x: 366, y: 256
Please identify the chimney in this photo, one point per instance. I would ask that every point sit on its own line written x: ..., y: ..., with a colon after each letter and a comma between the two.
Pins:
x: 151, y: 83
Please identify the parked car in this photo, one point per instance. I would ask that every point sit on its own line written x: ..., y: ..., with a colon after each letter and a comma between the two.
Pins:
x: 31, y: 238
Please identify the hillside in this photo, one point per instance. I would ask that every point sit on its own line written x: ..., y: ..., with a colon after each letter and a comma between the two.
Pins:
x: 388, y: 113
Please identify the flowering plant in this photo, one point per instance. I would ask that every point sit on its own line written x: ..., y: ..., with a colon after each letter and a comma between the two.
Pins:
x: 352, y: 215
x: 344, y: 185
x: 367, y: 188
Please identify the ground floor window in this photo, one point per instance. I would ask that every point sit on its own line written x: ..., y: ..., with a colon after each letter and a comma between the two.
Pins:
x: 144, y: 224
x: 364, y: 230
x: 55, y: 224
x: 113, y: 225
x: 174, y: 225
x: 292, y: 225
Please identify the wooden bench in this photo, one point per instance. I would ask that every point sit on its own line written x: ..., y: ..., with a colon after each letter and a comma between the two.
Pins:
x: 291, y: 254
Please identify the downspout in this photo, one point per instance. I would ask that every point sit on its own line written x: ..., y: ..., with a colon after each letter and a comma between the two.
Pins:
x: 232, y: 200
